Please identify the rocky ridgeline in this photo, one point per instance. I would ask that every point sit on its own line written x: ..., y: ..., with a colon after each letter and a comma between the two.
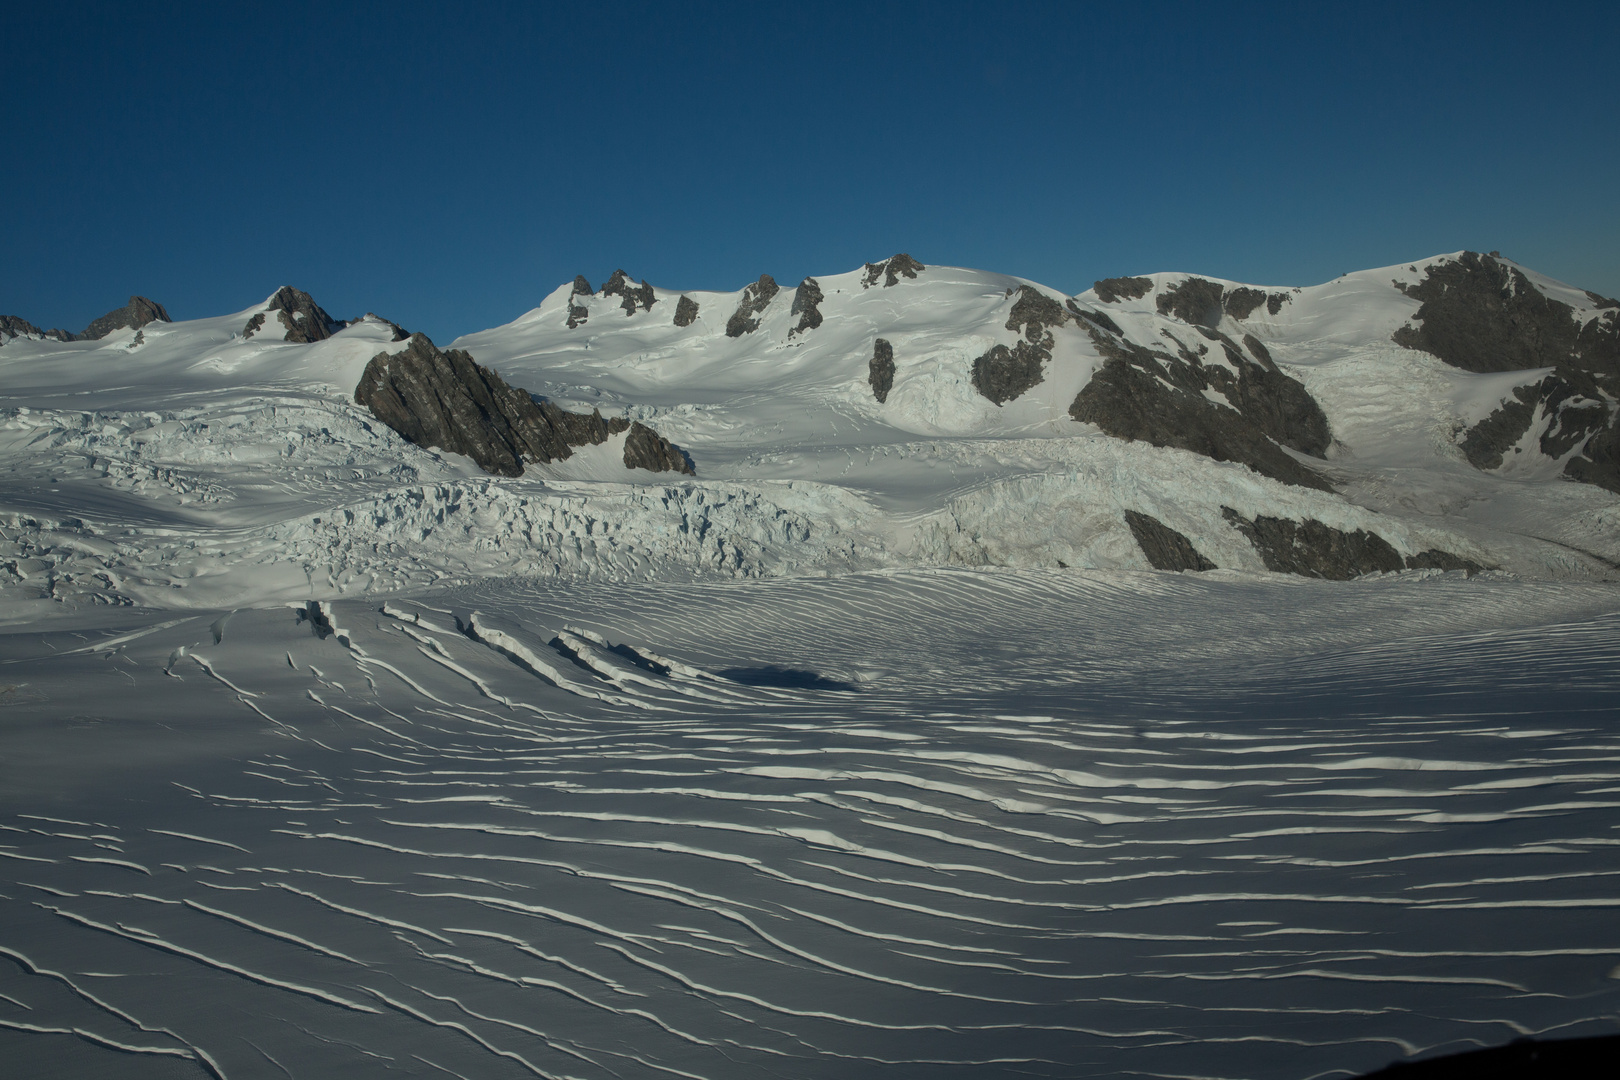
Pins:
x: 630, y: 296
x: 139, y: 312
x: 891, y: 270
x: 443, y: 399
x: 1003, y: 374
x: 1480, y: 314
x: 807, y: 299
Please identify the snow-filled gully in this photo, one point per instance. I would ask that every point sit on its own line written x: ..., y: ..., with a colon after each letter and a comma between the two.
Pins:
x: 1086, y: 831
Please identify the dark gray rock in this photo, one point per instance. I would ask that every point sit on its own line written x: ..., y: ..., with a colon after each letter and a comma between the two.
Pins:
x: 644, y: 448
x: 13, y: 326
x: 1275, y: 302
x: 1600, y: 301
x: 134, y: 315
x: 399, y: 332
x: 1483, y: 315
x: 1487, y: 441
x: 1435, y: 559
x: 806, y: 304
x: 1157, y: 397
x: 579, y: 313
x: 1241, y: 301
x: 1095, y: 316
x: 1575, y: 418
x: 1164, y: 547
x: 1113, y: 290
x: 1003, y: 374
x: 891, y: 270
x: 880, y: 373
x: 1192, y: 300
x: 1311, y: 549
x: 1258, y: 351
x: 631, y: 296
x: 304, y: 320
x: 443, y: 399
x: 755, y: 298
x: 686, y: 311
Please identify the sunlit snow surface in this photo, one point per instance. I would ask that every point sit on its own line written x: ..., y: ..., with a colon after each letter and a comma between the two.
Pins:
x: 904, y: 824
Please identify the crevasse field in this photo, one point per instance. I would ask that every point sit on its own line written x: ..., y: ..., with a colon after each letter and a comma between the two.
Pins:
x: 322, y: 755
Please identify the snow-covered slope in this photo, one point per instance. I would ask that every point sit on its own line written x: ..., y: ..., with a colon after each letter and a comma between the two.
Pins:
x: 214, y: 461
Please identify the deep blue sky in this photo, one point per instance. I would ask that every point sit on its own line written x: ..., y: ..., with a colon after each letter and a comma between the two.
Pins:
x: 447, y: 166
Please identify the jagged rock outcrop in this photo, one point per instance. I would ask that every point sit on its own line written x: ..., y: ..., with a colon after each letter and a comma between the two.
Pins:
x: 755, y: 298
x: 891, y: 270
x: 1113, y: 290
x: 399, y: 332
x: 1164, y: 547
x: 304, y: 321
x: 880, y: 373
x: 1480, y: 314
x: 1159, y: 397
x: 1093, y: 315
x: 1484, y: 315
x: 578, y: 313
x: 644, y: 448
x: 1312, y: 549
x: 630, y: 296
x: 806, y: 300
x: 1435, y: 559
x: 1003, y: 373
x: 15, y: 326
x: 686, y: 311
x: 133, y: 315
x: 1200, y: 302
x: 443, y: 399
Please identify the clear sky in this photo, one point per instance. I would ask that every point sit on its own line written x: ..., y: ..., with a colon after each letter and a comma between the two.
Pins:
x: 448, y: 165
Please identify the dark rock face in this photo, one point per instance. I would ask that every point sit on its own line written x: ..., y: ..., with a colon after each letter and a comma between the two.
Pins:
x: 806, y: 300
x: 1311, y: 549
x: 12, y: 326
x: 1483, y: 315
x: 1192, y: 300
x: 631, y: 296
x: 443, y: 399
x: 578, y: 313
x: 1164, y: 547
x: 880, y: 373
x: 399, y: 332
x: 1241, y: 302
x: 305, y: 320
x: 755, y: 298
x: 1113, y: 290
x: 1003, y: 374
x: 1435, y: 559
x: 1092, y: 314
x: 1576, y: 420
x: 1157, y: 397
x: 134, y: 315
x: 644, y: 448
x: 891, y: 270
x: 1258, y: 350
x: 686, y: 311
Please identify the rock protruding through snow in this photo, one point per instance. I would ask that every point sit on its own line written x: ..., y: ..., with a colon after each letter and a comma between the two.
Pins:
x: 630, y: 296
x: 1164, y: 547
x: 137, y: 313
x: 891, y: 270
x: 644, y: 448
x: 755, y: 298
x: 881, y: 371
x: 578, y: 313
x: 303, y: 320
x: 443, y: 399
x: 686, y: 311
x: 1003, y: 373
x: 806, y: 304
x: 1115, y: 289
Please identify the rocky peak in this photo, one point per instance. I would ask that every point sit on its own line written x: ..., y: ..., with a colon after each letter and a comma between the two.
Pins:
x: 891, y: 270
x: 303, y: 320
x: 806, y: 300
x: 619, y: 285
x: 1113, y: 290
x: 133, y: 315
x: 686, y: 311
x: 579, y: 313
x: 755, y: 298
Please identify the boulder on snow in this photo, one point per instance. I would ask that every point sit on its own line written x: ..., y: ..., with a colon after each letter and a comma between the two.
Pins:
x: 631, y: 296
x: 1164, y: 547
x: 1113, y: 290
x: 755, y: 298
x: 686, y: 311
x: 133, y: 315
x: 880, y: 373
x: 644, y: 448
x: 443, y: 399
x: 806, y: 300
x: 891, y: 270
x: 1159, y: 397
